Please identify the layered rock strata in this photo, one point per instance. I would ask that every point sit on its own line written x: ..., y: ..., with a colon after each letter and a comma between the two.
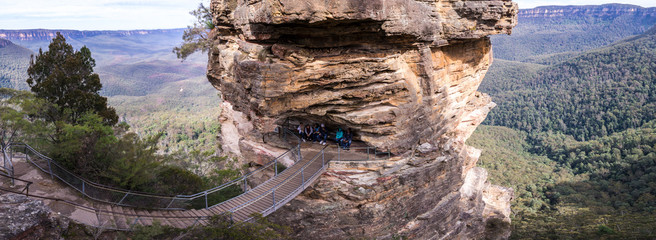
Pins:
x: 403, y: 74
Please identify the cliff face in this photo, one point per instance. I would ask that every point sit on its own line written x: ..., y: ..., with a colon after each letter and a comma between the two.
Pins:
x: 403, y: 74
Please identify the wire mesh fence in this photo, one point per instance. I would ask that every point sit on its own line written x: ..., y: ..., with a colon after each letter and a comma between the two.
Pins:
x: 122, y: 197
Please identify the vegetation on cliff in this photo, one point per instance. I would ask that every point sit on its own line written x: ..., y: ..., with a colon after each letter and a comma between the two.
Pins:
x: 75, y: 126
x: 578, y: 142
x: 593, y: 95
x: 570, y: 189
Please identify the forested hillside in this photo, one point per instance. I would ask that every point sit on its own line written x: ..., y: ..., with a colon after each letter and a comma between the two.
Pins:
x: 142, y: 78
x: 566, y: 189
x: 593, y: 95
x: 14, y: 60
x: 575, y: 92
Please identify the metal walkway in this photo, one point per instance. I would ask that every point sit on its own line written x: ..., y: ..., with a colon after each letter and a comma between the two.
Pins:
x: 119, y: 209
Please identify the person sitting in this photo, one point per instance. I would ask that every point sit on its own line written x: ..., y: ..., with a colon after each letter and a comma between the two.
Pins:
x: 323, y: 134
x: 316, y: 135
x: 338, y: 136
x: 346, y: 140
x: 308, y: 132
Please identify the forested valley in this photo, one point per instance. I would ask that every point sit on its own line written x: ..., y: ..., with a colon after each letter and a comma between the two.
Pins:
x: 574, y: 131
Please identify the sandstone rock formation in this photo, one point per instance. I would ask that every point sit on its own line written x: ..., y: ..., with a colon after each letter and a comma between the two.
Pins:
x: 403, y: 74
x: 25, y: 218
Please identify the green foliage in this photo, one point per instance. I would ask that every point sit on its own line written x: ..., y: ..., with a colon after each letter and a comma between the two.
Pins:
x: 220, y: 228
x: 603, y: 229
x: 134, y: 162
x: 85, y: 147
x: 186, y: 111
x: 155, y: 231
x: 572, y: 187
x: 280, y: 167
x: 593, y: 95
x: 65, y: 77
x: 196, y: 37
x: 19, y: 111
x: 176, y: 180
x: 507, y: 157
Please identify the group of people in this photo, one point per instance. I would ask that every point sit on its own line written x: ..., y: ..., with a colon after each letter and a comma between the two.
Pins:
x: 319, y: 133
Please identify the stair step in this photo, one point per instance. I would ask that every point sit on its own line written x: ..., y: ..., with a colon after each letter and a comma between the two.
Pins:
x: 120, y: 219
x: 105, y: 217
x: 144, y: 217
x: 173, y: 220
x: 161, y: 218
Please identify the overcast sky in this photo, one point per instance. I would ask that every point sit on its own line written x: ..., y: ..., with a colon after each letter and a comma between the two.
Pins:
x: 149, y: 14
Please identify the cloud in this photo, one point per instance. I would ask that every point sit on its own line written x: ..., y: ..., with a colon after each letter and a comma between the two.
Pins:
x: 97, y: 14
x: 148, y: 14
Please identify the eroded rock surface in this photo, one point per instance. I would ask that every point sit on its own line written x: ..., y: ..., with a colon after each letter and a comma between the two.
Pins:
x: 25, y: 218
x: 403, y: 74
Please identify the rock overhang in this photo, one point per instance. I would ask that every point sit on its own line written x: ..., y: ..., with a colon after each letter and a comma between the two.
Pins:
x: 399, y: 72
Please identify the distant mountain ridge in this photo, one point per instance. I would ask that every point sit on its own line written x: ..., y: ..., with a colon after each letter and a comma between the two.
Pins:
x: 552, y: 30
x: 613, y: 9
x: 49, y: 34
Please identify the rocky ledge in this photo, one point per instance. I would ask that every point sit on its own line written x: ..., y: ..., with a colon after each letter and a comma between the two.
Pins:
x: 25, y: 218
x: 402, y: 73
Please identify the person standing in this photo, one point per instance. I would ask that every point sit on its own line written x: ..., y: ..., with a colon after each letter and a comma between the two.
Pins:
x: 301, y: 131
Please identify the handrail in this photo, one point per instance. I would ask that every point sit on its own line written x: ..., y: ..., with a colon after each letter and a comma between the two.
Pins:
x: 272, y: 190
x: 7, y: 165
x: 87, y: 181
x: 222, y: 186
x: 202, y: 219
x: 27, y: 185
x: 98, y: 210
x: 165, y: 202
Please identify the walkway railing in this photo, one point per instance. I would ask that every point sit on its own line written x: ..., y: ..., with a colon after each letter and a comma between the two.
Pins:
x: 26, y: 189
x: 7, y: 164
x: 131, y: 218
x: 275, y: 193
x: 127, y: 198
x: 241, y: 182
x: 283, y: 192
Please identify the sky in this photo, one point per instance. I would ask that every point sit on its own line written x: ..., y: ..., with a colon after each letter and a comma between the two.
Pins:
x: 150, y: 14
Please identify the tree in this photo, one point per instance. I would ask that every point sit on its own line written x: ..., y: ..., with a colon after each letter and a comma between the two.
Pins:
x: 65, y: 77
x: 196, y: 37
x: 19, y: 116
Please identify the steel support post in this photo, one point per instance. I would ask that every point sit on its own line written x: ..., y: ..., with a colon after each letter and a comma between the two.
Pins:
x: 206, y: 205
x: 50, y: 168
